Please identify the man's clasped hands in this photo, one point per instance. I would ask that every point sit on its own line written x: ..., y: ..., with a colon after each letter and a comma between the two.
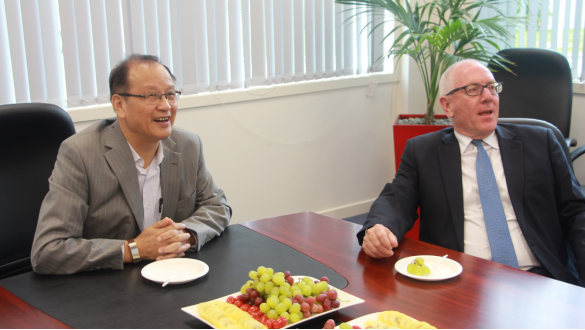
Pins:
x: 163, y: 240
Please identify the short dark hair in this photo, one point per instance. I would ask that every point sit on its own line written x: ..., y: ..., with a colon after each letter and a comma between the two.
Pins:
x: 119, y: 74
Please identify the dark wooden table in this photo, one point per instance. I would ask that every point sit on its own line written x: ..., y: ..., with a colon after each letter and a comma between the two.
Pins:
x: 17, y: 314
x: 485, y: 295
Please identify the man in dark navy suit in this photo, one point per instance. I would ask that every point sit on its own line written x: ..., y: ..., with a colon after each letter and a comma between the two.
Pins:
x: 543, y: 206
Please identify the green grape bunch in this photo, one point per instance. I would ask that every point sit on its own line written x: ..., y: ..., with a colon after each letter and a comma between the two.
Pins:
x: 418, y: 267
x: 277, y: 297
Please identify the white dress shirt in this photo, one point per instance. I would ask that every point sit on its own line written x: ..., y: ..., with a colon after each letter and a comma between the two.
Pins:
x: 149, y: 183
x: 150, y: 188
x: 476, y: 241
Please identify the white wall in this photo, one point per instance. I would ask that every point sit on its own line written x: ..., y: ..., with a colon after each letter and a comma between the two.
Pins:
x: 329, y: 152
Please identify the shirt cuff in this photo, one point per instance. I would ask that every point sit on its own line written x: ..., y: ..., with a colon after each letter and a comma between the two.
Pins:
x: 195, y: 241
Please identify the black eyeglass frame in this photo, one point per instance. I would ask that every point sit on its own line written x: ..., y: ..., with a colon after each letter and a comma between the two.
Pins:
x: 499, y: 84
x: 159, y: 95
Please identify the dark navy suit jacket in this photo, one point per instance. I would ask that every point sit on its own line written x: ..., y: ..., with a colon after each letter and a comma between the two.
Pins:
x: 545, y: 195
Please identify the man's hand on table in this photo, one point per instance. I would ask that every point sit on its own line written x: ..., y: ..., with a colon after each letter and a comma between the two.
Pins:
x: 178, y: 240
x: 379, y: 242
x: 163, y: 240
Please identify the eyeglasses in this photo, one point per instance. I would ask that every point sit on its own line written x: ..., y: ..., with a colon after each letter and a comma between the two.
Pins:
x: 477, y: 89
x: 154, y: 98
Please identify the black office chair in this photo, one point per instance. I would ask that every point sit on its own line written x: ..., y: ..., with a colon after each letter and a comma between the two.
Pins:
x: 541, y: 87
x: 30, y: 137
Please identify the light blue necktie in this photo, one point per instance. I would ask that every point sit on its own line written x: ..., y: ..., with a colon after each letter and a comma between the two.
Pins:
x: 493, y: 210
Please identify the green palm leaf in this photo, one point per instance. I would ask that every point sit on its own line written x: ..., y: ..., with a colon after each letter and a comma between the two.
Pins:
x: 438, y: 33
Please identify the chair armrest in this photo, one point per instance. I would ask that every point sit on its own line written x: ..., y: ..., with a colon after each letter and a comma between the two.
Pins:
x: 577, y: 153
x: 571, y: 142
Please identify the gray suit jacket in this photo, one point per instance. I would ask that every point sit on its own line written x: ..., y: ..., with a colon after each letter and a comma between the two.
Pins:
x: 94, y: 202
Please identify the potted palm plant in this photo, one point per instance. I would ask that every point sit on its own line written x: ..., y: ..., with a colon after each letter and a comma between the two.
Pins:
x: 436, y: 34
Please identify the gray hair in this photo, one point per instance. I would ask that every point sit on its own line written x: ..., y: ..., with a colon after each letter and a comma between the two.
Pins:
x: 446, y: 82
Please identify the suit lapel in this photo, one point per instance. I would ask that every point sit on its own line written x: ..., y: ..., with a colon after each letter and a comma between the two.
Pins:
x: 170, y: 178
x: 513, y: 162
x: 120, y: 159
x: 450, y: 161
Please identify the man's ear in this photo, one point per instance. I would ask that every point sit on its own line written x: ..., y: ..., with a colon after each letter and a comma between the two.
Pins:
x: 446, y: 105
x: 119, y: 104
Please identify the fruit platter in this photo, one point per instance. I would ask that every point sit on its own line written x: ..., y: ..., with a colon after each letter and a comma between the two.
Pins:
x: 273, y: 300
x: 381, y: 320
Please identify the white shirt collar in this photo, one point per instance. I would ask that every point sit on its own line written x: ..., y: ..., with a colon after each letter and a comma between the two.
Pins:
x: 465, y: 141
x: 158, y: 157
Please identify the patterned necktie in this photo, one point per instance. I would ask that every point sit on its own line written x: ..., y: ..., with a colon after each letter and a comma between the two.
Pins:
x: 493, y: 210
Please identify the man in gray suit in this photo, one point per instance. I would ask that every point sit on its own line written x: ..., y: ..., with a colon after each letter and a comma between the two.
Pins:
x: 114, y: 181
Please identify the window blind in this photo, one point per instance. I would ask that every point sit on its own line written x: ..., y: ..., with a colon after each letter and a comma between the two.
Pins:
x: 557, y: 25
x: 6, y: 93
x: 30, y: 52
x: 61, y: 51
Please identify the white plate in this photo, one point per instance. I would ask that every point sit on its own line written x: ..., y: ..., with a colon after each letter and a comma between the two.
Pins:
x: 186, y: 270
x: 345, y: 298
x: 361, y: 321
x: 446, y: 269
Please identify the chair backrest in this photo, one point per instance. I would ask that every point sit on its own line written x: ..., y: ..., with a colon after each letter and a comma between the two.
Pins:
x: 30, y: 137
x: 542, y: 123
x: 541, y: 87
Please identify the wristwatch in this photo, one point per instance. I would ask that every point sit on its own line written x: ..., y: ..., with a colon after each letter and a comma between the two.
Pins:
x: 134, y: 250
